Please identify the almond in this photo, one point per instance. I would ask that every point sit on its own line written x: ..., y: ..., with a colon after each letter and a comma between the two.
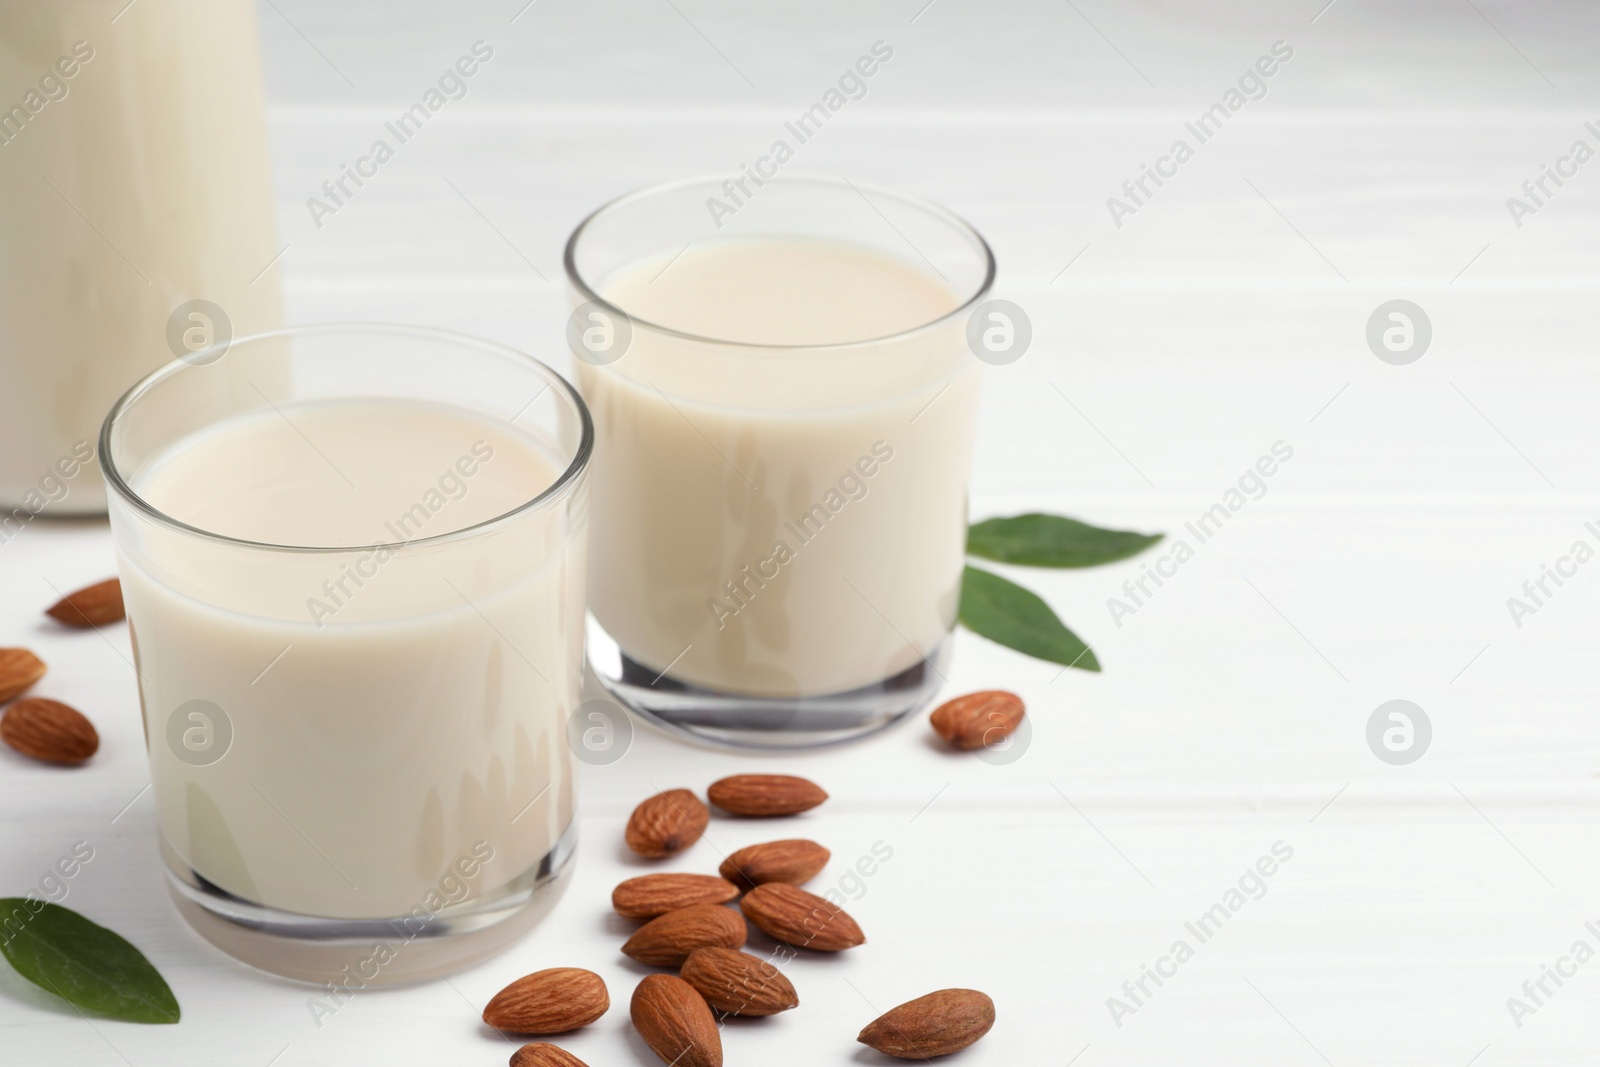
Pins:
x: 765, y: 794
x: 549, y: 1002
x: 738, y: 983
x: 978, y: 720
x: 543, y: 1054
x: 666, y: 941
x: 675, y: 1022
x: 804, y: 920
x: 792, y: 861
x: 666, y: 823
x: 48, y: 730
x: 935, y: 1025
x: 19, y: 669
x: 651, y: 895
x: 93, y: 605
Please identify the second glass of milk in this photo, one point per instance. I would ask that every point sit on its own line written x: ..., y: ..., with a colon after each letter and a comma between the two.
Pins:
x: 353, y: 563
x: 784, y: 403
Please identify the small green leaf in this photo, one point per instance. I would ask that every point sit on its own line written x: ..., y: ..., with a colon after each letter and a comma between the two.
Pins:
x: 1006, y: 613
x: 1053, y: 541
x: 57, y: 949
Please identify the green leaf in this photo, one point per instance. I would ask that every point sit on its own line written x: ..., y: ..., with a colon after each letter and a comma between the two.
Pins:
x: 1008, y: 614
x: 57, y: 949
x: 1053, y: 541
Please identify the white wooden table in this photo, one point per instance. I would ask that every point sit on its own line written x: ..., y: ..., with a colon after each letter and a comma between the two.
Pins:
x: 1227, y: 314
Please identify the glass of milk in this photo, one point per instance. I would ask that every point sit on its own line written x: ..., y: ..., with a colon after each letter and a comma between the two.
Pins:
x: 137, y: 225
x: 353, y: 563
x: 784, y: 400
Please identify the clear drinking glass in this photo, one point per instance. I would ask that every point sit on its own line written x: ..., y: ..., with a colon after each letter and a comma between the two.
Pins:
x: 357, y: 741
x: 784, y: 400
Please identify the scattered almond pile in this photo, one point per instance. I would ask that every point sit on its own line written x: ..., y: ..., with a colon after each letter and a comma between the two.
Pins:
x: 49, y: 730
x: 687, y: 927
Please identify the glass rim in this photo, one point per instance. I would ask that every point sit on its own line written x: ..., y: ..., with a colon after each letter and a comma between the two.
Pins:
x: 558, y: 489
x: 576, y: 279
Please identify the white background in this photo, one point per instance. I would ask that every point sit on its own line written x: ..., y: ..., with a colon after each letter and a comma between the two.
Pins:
x: 1227, y: 314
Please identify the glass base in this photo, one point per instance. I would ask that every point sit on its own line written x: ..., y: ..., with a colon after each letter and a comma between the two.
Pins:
x: 345, y: 956
x: 729, y: 720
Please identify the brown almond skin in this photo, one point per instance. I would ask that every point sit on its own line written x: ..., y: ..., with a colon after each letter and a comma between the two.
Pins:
x: 789, y: 914
x: 652, y: 895
x: 765, y: 795
x: 49, y: 730
x: 549, y: 1002
x: 738, y: 983
x: 676, y: 1022
x: 19, y: 669
x: 666, y: 823
x: 93, y: 605
x: 978, y: 720
x: 793, y: 861
x: 544, y: 1054
x: 935, y: 1025
x: 667, y: 940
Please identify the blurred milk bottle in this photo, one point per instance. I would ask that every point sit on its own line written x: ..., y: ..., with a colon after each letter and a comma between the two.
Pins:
x: 135, y: 219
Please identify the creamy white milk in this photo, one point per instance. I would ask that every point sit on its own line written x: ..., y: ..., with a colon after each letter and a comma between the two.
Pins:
x: 770, y: 521
x: 134, y: 178
x: 392, y: 711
